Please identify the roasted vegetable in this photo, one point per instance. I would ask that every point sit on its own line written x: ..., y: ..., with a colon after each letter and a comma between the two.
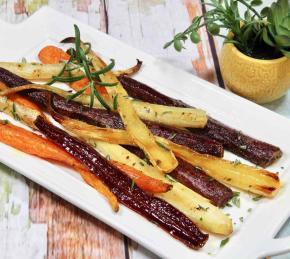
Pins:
x: 256, y: 151
x: 34, y: 144
x: 154, y: 209
x: 233, y: 173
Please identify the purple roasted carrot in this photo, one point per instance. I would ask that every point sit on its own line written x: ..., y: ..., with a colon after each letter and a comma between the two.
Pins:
x: 256, y: 151
x: 154, y: 209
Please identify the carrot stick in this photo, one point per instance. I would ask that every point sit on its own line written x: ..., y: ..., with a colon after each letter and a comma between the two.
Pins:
x: 143, y: 181
x: 52, y: 55
x: 20, y: 99
x: 34, y: 144
x: 24, y: 101
x: 78, y: 85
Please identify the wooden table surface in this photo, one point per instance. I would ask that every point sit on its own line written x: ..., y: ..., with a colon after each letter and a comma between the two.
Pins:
x: 34, y: 223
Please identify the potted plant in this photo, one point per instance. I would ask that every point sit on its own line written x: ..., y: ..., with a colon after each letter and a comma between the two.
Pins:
x: 255, y: 57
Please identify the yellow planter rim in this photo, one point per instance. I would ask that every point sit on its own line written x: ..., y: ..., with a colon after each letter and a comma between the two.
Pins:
x: 250, y: 59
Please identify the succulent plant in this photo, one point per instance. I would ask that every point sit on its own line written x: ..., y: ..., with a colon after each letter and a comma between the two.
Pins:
x: 264, y: 34
x: 277, y: 31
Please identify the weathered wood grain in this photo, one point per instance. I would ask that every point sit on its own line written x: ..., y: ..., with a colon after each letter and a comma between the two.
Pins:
x: 71, y: 232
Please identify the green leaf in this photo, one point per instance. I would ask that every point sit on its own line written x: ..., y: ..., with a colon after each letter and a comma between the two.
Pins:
x: 213, y: 28
x: 256, y: 2
x: 247, y: 15
x: 115, y: 103
x: 100, y: 98
x: 282, y: 40
x: 286, y: 53
x: 265, y: 11
x: 248, y: 33
x: 73, y: 96
x: 177, y: 45
x: 167, y: 44
x: 105, y: 69
x: 266, y: 38
x: 194, y: 37
x: 224, y: 242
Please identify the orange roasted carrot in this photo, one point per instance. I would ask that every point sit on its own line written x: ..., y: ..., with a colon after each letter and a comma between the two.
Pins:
x: 34, y: 144
x: 143, y: 181
x: 52, y: 55
x: 20, y: 99
x: 24, y: 101
x: 78, y: 85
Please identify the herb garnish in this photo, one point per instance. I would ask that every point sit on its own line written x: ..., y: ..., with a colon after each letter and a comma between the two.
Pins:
x: 79, y: 60
x: 202, y: 208
x: 224, y: 242
x: 141, y: 163
x: 132, y: 185
x: 166, y: 112
x: 14, y: 113
x: 235, y: 200
x: 170, y: 178
x: 162, y: 145
x: 236, y: 162
x: 244, y: 147
x: 115, y: 103
x: 257, y: 198
x: 172, y: 136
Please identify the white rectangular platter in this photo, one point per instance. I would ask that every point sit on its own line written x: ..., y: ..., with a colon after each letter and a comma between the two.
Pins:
x: 252, y: 238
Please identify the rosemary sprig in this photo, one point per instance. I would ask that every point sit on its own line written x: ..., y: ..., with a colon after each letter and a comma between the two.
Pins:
x: 79, y: 60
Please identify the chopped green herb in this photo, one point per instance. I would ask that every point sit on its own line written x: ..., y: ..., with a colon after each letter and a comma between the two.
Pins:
x: 141, y: 163
x: 170, y: 178
x: 235, y: 200
x: 132, y: 185
x: 201, y: 219
x: 162, y: 145
x: 250, y: 210
x: 202, y: 208
x: 236, y: 162
x: 257, y: 198
x: 115, y: 106
x: 172, y: 136
x: 166, y: 112
x: 242, y: 219
x: 224, y: 242
x: 4, y: 122
x: 14, y: 113
x: 244, y: 147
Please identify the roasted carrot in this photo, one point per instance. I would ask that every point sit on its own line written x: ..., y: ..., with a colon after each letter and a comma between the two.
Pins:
x: 143, y: 181
x: 24, y: 101
x: 34, y: 144
x: 52, y: 55
x: 78, y: 85
x: 20, y: 99
x: 97, y: 184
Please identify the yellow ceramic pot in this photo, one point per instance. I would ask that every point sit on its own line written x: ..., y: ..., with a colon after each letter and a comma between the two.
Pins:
x: 259, y: 80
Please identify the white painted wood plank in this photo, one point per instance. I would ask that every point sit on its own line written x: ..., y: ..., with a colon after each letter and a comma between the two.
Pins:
x: 19, y: 236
